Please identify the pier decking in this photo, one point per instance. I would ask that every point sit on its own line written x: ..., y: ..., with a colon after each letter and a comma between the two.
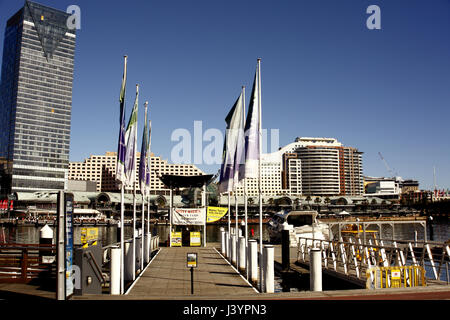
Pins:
x: 168, y: 276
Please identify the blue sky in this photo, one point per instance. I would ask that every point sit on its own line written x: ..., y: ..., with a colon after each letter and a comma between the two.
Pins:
x: 324, y: 74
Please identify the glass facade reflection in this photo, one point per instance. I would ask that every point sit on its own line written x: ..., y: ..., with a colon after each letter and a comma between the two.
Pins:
x: 36, y: 100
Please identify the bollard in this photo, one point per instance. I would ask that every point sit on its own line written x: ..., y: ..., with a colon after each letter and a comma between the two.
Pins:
x: 233, y: 249
x: 315, y: 270
x: 242, y: 254
x: 115, y: 270
x: 147, y: 249
x: 223, y: 242
x: 227, y: 245
x: 253, y: 261
x: 269, y: 278
x: 128, y: 261
x: 46, y: 237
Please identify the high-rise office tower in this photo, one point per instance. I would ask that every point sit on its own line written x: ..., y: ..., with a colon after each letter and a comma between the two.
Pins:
x: 36, y: 100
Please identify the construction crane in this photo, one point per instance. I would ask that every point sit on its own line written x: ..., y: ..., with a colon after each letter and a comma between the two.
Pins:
x: 387, y: 166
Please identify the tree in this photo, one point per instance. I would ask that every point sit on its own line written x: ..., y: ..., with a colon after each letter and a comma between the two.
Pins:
x: 308, y: 198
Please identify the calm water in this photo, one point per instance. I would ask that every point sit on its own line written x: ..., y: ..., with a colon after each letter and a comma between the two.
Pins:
x: 108, y: 235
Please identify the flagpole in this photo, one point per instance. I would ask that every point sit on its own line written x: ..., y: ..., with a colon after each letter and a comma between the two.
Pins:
x: 245, y: 196
x: 122, y: 244
x: 229, y: 213
x: 122, y: 179
x: 134, y: 199
x: 142, y: 232
x: 259, y: 178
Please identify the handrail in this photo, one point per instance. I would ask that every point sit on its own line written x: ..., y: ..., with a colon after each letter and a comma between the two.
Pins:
x: 354, y: 256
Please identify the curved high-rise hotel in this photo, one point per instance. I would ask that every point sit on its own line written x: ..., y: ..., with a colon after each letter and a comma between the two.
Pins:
x: 36, y: 100
x: 310, y: 166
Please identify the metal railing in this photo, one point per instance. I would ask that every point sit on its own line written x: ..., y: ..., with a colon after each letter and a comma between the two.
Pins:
x: 395, y: 277
x: 354, y: 258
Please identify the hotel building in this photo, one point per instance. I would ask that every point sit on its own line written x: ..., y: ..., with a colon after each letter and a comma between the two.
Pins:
x: 102, y: 170
x: 310, y: 166
x: 36, y: 100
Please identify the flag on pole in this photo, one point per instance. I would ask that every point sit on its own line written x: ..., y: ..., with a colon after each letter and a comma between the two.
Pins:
x: 149, y: 145
x: 143, y: 159
x: 131, y: 144
x: 249, y: 169
x: 240, y: 154
x: 234, y: 126
x: 121, y: 149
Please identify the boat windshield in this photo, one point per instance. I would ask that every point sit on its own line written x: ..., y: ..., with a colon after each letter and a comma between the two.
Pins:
x: 299, y: 220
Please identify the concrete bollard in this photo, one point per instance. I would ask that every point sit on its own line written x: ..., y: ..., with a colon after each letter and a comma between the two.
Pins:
x: 115, y: 270
x: 138, y: 254
x: 147, y: 248
x: 253, y: 261
x: 242, y: 254
x: 223, y: 242
x: 227, y: 244
x: 315, y: 270
x: 269, y: 273
x: 128, y: 261
x: 46, y: 237
x: 233, y: 250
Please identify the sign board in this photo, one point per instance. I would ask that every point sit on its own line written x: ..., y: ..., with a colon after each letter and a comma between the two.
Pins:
x: 176, y: 239
x: 89, y: 236
x: 395, y: 274
x: 195, y: 239
x: 191, y: 260
x: 215, y: 213
x: 188, y: 216
x: 69, y: 243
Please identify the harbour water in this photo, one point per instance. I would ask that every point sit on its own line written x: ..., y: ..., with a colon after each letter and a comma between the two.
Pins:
x: 108, y: 235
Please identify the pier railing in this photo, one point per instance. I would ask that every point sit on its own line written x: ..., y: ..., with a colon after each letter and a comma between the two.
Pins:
x: 21, y: 263
x: 352, y: 258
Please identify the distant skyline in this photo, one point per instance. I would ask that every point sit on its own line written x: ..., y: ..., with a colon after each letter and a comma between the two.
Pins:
x: 324, y: 74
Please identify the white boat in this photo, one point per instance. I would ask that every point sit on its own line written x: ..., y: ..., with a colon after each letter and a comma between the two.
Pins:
x: 301, y: 224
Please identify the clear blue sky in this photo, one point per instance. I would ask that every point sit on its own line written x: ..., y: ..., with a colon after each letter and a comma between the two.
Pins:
x: 324, y: 74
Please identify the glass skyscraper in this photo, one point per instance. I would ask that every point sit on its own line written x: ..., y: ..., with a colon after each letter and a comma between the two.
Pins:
x: 36, y: 100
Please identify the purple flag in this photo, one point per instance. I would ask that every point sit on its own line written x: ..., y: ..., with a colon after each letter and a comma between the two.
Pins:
x: 121, y: 148
x: 249, y: 169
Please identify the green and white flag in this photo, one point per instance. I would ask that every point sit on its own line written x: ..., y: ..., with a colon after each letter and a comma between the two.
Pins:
x: 131, y: 142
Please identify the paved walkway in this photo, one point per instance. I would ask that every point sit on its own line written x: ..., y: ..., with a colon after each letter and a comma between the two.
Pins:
x: 167, y: 277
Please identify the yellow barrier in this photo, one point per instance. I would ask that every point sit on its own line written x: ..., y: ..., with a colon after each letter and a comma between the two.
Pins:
x: 395, y: 277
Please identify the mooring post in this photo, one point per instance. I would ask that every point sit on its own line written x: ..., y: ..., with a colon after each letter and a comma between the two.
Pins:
x: 227, y: 245
x: 253, y: 261
x: 241, y: 259
x: 115, y: 270
x: 222, y: 241
x: 315, y: 270
x: 233, y: 249
x: 269, y: 278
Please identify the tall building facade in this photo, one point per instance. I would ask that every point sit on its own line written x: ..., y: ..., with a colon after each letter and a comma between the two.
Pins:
x: 36, y: 99
x: 310, y: 166
x: 102, y: 170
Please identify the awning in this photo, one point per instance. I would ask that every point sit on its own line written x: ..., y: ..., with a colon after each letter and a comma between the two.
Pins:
x: 173, y: 181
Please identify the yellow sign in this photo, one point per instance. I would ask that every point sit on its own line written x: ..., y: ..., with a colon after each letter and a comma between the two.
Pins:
x: 176, y: 239
x: 195, y: 239
x: 89, y: 236
x: 215, y: 213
